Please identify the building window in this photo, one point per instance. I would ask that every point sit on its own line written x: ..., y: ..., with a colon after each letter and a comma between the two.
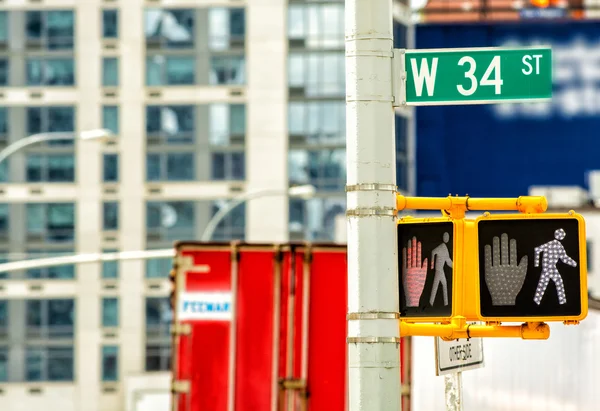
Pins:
x: 4, y: 27
x: 170, y: 167
x: 49, y: 363
x: 227, y: 70
x: 111, y: 168
x: 227, y: 124
x: 4, y: 71
x: 52, y: 29
x: 110, y: 118
x: 110, y: 215
x: 3, y: 319
x: 3, y: 364
x: 50, y: 168
x: 316, y: 26
x: 47, y: 319
x: 4, y: 221
x: 170, y: 70
x: 110, y: 312
x: 317, y: 74
x: 317, y: 122
x: 4, y: 125
x: 325, y: 169
x: 110, y: 24
x: 158, y: 342
x: 229, y: 165
x: 110, y: 72
x: 314, y: 219
x: 227, y: 28
x: 62, y: 272
x: 51, y: 222
x: 110, y: 269
x: 169, y: 28
x: 50, y: 72
x: 232, y: 226
x: 110, y: 363
x: 51, y: 119
x: 158, y: 267
x: 170, y: 124
x: 170, y: 221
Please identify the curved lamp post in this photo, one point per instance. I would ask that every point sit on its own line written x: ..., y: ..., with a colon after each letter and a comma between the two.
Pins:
x: 95, y: 134
x: 303, y: 191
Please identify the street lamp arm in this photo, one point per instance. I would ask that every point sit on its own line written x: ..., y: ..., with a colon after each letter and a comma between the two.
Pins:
x: 218, y: 217
x: 86, y: 258
x: 33, y: 139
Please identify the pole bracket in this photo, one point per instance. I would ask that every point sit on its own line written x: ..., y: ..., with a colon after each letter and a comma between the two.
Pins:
x: 373, y: 316
x: 372, y: 187
x: 374, y: 211
x: 373, y: 340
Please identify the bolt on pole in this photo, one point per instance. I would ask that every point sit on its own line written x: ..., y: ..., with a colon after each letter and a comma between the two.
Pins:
x: 373, y: 293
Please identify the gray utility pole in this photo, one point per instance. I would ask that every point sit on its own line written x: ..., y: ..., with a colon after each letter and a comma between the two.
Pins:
x: 373, y: 301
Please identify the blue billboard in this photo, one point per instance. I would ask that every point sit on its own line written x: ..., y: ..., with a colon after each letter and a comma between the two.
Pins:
x: 502, y: 150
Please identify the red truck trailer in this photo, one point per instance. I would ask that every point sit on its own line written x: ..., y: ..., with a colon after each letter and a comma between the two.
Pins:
x: 261, y: 327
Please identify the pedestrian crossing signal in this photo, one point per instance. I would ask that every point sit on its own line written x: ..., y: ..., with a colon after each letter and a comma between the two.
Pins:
x: 532, y: 267
x: 426, y: 268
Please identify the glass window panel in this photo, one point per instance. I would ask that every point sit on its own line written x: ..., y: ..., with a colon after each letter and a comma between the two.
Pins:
x: 154, y: 75
x: 298, y: 167
x: 3, y: 121
x: 4, y: 71
x: 153, y: 119
x: 153, y: 167
x: 61, y: 119
x: 110, y: 363
x: 219, y: 124
x: 174, y: 28
x: 218, y: 166
x: 296, y: 70
x: 227, y: 70
x: 51, y: 72
x: 34, y: 120
x: 4, y: 177
x: 296, y: 23
x: 218, y: 23
x: 181, y: 70
x: 237, y: 114
x: 35, y: 218
x: 110, y: 71
x: 61, y: 222
x: 4, y: 217
x: 111, y: 168
x: 110, y: 118
x: 3, y: 26
x: 110, y: 269
x: 158, y: 267
x: 33, y: 24
x: 60, y: 29
x: 110, y: 215
x: 61, y: 313
x: 3, y: 364
x: 180, y: 166
x: 110, y: 23
x: 34, y: 168
x: 33, y: 364
x: 61, y: 168
x: 110, y: 312
x: 238, y: 167
x: 60, y: 364
x: 158, y: 314
x: 296, y: 118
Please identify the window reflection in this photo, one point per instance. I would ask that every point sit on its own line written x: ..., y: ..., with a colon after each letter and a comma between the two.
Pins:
x: 4, y: 72
x: 226, y: 28
x: 53, y: 29
x: 314, y: 219
x: 55, y: 222
x: 4, y: 26
x: 170, y: 124
x: 227, y: 70
x: 110, y: 269
x: 317, y: 25
x: 110, y: 24
x: 64, y: 272
x: 232, y: 226
x: 111, y: 168
x: 50, y: 72
x: 110, y: 118
x: 227, y: 121
x: 325, y: 169
x: 170, y: 221
x: 110, y: 363
x: 110, y: 215
x: 110, y: 312
x: 50, y: 168
x: 318, y: 74
x: 318, y: 122
x: 170, y: 167
x: 170, y: 70
x: 228, y: 166
x: 170, y: 28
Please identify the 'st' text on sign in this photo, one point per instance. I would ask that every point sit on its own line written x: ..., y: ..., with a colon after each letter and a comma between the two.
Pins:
x: 477, y: 75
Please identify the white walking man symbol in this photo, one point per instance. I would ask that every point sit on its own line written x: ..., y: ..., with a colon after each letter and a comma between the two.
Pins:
x: 553, y: 251
x: 443, y: 258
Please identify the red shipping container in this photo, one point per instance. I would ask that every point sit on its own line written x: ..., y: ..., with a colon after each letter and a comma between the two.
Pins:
x: 260, y: 327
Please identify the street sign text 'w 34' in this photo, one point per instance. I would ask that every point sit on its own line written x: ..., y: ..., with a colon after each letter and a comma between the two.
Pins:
x: 472, y: 75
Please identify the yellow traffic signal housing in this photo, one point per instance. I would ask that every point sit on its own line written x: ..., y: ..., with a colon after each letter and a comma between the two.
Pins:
x: 527, y: 267
x: 428, y: 262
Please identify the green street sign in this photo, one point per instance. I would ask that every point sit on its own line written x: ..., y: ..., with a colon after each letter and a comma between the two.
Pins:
x: 474, y: 75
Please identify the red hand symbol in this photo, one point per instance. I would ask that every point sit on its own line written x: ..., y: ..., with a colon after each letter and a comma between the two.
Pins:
x: 414, y: 273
